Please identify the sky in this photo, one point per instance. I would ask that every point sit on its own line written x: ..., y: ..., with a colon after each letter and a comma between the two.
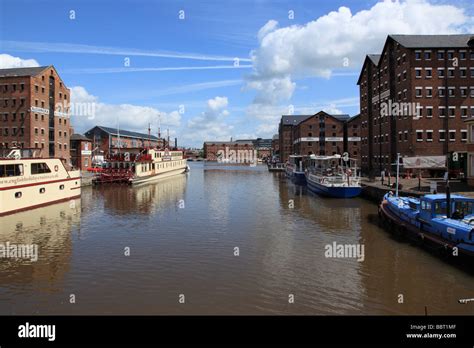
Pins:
x: 212, y: 70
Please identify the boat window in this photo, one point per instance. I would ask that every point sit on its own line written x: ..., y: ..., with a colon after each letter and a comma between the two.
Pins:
x: 463, y: 207
x: 425, y: 205
x: 40, y: 168
x: 42, y: 190
x: 18, y: 194
x: 440, y: 208
x: 11, y: 170
x: 61, y: 187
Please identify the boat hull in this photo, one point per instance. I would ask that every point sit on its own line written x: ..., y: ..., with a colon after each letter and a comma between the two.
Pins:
x: 413, y: 228
x: 334, y: 191
x: 297, y: 178
x: 38, y: 194
x: 151, y: 178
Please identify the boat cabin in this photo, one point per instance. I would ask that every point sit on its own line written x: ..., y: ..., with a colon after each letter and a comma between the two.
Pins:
x: 435, y: 206
x: 296, y: 162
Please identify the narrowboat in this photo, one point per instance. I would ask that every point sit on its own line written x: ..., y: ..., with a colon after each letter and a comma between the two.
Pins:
x: 333, y: 176
x: 295, y: 169
x: 446, y: 222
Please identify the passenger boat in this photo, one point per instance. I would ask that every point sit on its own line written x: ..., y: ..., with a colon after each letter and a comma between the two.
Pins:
x: 432, y: 218
x: 295, y: 170
x: 332, y: 176
x: 136, y: 166
x: 28, y: 181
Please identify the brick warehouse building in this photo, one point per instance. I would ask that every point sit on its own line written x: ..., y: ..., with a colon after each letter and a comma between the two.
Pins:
x: 34, y: 111
x: 414, y: 97
x: 106, y: 139
x: 320, y: 134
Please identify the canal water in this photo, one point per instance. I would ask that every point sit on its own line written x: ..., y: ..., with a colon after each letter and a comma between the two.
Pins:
x: 223, y: 240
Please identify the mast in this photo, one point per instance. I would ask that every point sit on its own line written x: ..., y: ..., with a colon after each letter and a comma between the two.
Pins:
x: 149, y: 136
x: 118, y: 135
x: 398, y: 172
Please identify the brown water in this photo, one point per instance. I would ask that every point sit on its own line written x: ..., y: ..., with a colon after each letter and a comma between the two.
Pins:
x: 182, y: 232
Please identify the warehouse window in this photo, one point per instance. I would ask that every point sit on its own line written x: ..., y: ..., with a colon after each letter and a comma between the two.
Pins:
x: 419, y: 135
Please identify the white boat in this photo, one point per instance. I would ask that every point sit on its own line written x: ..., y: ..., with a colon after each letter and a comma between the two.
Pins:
x: 333, y: 176
x: 137, y: 166
x: 28, y: 181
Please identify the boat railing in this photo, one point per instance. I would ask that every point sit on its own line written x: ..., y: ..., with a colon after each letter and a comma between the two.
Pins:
x: 20, y: 153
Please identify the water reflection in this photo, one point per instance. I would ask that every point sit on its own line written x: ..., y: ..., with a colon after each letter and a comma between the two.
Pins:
x: 191, y: 250
x: 142, y: 199
x: 50, y: 229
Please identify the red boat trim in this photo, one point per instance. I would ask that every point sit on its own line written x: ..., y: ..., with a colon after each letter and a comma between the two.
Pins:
x: 39, y: 205
x: 37, y: 183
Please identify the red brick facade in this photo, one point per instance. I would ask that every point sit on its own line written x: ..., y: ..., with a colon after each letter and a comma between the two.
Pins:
x: 319, y: 134
x: 413, y: 100
x: 212, y: 148
x: 34, y: 111
x: 81, y: 152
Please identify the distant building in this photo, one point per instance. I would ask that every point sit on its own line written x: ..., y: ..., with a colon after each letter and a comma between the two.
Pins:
x: 34, y: 111
x: 285, y: 134
x: 81, y: 151
x: 275, y: 145
x: 212, y: 149
x: 352, y: 138
x: 263, y: 146
x: 319, y: 134
x: 107, y: 140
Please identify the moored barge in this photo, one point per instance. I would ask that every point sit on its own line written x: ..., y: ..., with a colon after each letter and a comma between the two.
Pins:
x: 448, y: 223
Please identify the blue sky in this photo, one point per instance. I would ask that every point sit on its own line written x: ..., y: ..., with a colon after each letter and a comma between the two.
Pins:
x: 89, y: 52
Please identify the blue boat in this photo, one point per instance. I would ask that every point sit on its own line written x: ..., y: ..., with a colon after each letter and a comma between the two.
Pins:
x: 333, y: 176
x: 295, y: 170
x: 429, y: 218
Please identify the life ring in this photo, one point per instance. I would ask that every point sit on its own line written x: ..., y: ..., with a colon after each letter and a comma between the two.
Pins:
x: 56, y: 168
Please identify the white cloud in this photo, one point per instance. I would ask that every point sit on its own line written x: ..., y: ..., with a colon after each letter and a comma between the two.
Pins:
x: 130, y: 117
x: 7, y: 62
x: 332, y: 110
x: 211, y: 124
x: 270, y: 26
x: 325, y: 44
x: 272, y: 90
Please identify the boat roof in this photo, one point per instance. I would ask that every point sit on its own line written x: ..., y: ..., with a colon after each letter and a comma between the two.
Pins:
x: 439, y: 196
x: 325, y: 158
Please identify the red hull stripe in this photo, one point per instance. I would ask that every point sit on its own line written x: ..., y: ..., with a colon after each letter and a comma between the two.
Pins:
x: 37, y: 184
